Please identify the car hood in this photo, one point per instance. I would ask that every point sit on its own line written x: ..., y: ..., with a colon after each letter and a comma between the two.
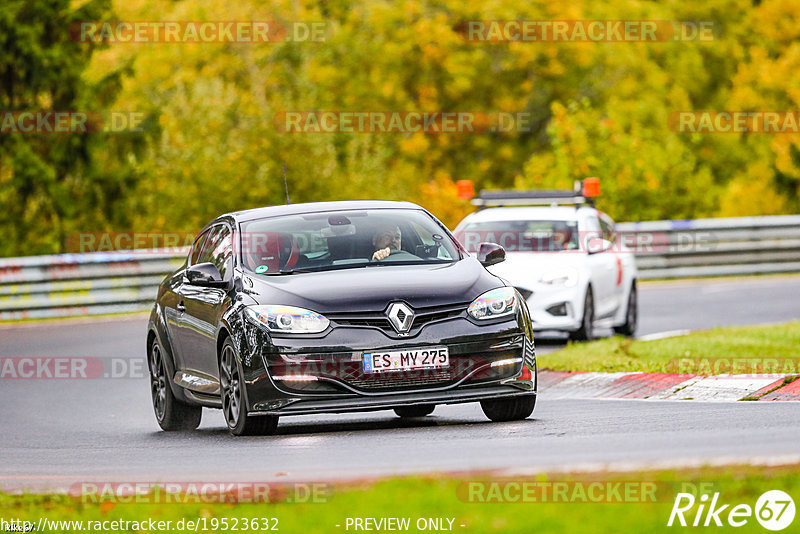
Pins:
x: 525, y: 268
x: 373, y: 288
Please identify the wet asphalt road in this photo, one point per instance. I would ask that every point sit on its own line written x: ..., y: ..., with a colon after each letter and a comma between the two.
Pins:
x: 57, y: 432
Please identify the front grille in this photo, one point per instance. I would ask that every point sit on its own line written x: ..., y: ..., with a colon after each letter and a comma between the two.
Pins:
x: 401, y: 381
x: 422, y: 317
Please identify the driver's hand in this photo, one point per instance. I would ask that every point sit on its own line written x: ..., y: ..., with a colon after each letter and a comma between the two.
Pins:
x: 381, y: 254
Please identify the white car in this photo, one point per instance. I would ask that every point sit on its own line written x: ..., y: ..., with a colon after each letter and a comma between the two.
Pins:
x: 565, y: 261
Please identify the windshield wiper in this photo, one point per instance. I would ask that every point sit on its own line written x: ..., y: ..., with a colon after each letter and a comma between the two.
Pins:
x: 407, y: 262
x: 295, y: 271
x: 284, y: 272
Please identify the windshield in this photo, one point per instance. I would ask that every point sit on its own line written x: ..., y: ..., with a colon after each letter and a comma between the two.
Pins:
x: 521, y: 236
x: 344, y: 239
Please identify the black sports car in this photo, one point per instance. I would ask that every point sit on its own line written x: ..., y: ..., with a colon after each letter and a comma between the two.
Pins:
x: 336, y: 307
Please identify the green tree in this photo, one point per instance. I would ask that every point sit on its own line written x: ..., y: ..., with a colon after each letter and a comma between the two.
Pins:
x: 54, y: 184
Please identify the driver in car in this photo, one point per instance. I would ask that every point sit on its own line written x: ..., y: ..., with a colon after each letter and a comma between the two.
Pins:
x: 562, y: 239
x: 386, y: 240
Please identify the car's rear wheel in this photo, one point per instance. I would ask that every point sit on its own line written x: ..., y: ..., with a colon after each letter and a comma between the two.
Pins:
x: 415, y: 411
x: 513, y: 409
x: 586, y: 331
x: 631, y: 314
x: 234, y: 397
x: 171, y: 413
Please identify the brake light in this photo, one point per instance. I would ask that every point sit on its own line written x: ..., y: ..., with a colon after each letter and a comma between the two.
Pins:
x: 526, y: 373
x: 591, y: 187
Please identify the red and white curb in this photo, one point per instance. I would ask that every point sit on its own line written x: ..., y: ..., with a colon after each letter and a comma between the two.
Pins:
x: 666, y: 386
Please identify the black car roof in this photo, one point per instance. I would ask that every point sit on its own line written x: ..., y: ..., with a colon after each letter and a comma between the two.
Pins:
x: 316, y: 207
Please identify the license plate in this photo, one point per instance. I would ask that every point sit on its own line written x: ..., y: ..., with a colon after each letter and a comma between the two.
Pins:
x: 403, y: 360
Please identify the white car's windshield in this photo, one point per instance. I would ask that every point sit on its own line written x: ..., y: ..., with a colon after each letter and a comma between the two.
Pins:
x: 521, y: 236
x: 344, y: 239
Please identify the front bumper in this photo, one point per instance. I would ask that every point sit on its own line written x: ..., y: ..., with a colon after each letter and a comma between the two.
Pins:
x: 299, y: 406
x: 486, y: 362
x: 544, y: 302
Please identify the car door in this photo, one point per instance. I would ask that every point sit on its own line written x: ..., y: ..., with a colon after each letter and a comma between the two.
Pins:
x: 618, y: 289
x: 602, y: 268
x: 174, y: 303
x: 203, y: 306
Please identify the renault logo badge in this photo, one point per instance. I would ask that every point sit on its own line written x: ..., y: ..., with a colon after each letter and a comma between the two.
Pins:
x: 401, y: 316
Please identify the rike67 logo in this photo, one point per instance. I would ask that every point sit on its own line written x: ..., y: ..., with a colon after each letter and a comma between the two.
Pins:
x: 774, y: 510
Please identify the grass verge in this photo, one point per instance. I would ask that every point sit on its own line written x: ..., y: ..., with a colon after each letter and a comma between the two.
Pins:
x: 736, y: 350
x: 513, y: 509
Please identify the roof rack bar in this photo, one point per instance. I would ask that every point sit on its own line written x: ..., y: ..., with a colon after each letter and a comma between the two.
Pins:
x: 529, y: 198
x: 578, y: 196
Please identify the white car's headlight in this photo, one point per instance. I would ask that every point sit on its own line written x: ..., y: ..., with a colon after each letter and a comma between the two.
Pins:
x: 495, y: 303
x: 287, y: 319
x: 565, y: 276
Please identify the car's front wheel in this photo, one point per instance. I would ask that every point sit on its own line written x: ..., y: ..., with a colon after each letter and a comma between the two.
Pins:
x: 171, y: 413
x: 415, y: 411
x: 512, y: 409
x: 234, y: 397
x: 628, y: 328
x: 586, y: 331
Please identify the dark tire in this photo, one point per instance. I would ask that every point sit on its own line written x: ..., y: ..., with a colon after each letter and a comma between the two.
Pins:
x: 513, y: 409
x: 586, y: 331
x: 234, y: 397
x: 171, y: 413
x: 631, y: 314
x: 415, y: 411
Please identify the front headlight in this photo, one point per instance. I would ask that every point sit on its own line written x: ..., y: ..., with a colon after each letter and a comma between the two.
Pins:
x: 287, y: 319
x: 565, y: 276
x: 495, y: 303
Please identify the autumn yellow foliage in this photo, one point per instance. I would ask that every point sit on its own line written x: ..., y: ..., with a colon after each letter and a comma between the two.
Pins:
x: 595, y: 109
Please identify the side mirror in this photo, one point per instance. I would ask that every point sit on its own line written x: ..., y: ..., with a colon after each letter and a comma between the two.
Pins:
x: 205, y: 275
x: 490, y: 254
x: 595, y: 244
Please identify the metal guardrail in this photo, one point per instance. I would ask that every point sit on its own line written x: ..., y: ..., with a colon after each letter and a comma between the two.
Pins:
x: 64, y: 285
x: 114, y: 282
x: 715, y: 247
